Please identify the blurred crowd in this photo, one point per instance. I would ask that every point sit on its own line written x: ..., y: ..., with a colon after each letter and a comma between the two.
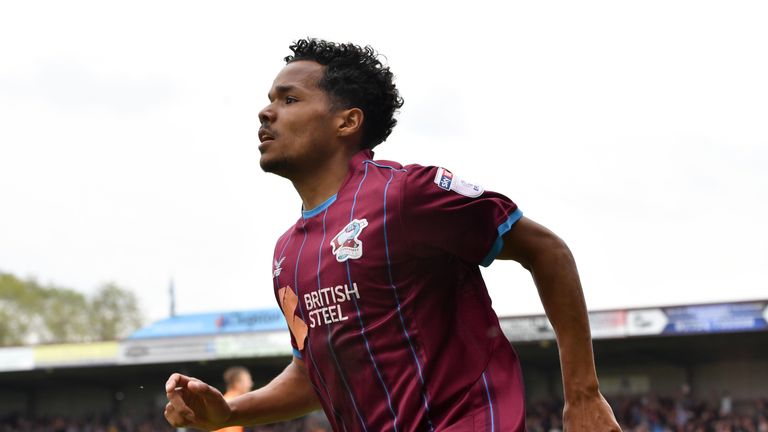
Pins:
x: 649, y: 413
x: 16, y: 423
x: 652, y: 413
x: 315, y: 422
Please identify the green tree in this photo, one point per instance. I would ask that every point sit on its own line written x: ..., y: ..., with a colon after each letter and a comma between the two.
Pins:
x: 66, y: 317
x: 115, y: 313
x: 19, y: 304
x: 34, y: 313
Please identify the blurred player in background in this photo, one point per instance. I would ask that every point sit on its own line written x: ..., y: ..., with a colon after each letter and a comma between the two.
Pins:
x: 238, y: 381
x: 390, y: 320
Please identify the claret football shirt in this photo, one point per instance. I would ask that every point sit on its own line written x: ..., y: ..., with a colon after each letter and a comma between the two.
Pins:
x: 382, y: 292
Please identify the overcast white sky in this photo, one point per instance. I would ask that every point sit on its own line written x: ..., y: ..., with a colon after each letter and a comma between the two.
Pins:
x: 636, y: 131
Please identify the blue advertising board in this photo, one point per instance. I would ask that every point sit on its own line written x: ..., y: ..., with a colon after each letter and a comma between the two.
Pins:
x: 716, y: 318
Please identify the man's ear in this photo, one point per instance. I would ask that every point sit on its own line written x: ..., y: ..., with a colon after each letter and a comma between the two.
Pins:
x: 350, y: 122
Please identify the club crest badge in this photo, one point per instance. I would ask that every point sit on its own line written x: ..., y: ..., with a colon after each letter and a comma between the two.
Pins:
x: 346, y: 245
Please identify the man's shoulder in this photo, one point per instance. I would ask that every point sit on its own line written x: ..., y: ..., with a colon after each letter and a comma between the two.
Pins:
x: 365, y: 164
x: 403, y: 171
x: 383, y: 164
x: 396, y: 178
x: 391, y: 175
x: 390, y: 164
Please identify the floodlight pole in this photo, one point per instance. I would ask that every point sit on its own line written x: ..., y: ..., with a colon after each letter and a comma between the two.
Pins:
x: 172, y: 294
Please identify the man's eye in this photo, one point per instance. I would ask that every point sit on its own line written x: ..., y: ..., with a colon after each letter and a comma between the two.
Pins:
x: 290, y: 99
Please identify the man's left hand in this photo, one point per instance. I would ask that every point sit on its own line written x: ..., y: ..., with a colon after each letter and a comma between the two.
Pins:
x: 589, y: 414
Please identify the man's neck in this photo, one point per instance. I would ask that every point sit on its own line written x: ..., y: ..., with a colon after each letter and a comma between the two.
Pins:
x: 322, y: 182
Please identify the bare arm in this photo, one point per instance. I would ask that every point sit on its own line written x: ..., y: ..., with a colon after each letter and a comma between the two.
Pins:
x: 193, y: 403
x: 554, y: 271
x: 288, y: 396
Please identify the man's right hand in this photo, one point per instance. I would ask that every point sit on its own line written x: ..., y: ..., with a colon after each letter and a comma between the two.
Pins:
x: 193, y: 403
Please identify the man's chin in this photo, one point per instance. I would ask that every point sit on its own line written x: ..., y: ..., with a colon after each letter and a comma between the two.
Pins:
x: 273, y: 166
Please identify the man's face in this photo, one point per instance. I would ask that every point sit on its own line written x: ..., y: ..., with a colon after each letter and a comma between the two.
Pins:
x: 297, y: 127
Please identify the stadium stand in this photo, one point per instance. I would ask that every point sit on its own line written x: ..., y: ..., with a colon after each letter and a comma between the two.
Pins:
x: 682, y: 368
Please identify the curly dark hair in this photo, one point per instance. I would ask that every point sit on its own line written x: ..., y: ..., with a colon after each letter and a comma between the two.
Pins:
x: 354, y: 77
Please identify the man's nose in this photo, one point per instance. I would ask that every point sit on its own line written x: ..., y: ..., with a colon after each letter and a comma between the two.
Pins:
x: 267, y: 115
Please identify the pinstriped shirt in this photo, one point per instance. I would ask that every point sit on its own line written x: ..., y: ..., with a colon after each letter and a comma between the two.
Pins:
x: 381, y: 289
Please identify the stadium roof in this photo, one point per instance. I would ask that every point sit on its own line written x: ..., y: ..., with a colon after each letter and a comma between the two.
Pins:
x: 214, y: 323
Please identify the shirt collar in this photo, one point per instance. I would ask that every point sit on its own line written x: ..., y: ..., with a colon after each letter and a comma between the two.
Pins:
x: 355, y: 163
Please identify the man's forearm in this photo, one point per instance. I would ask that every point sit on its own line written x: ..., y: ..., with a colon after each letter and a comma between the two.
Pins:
x: 288, y: 396
x: 553, y: 268
x: 557, y: 281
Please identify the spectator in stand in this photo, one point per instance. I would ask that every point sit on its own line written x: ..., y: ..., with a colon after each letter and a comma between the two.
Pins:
x: 726, y: 404
x: 239, y: 382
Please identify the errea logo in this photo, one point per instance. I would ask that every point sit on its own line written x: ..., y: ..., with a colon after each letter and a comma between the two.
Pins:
x: 278, y: 267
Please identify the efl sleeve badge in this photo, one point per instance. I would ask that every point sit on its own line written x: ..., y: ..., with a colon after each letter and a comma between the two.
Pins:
x: 450, y: 182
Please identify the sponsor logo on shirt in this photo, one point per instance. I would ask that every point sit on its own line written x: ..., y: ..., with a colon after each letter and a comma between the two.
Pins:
x: 324, y: 306
x: 448, y: 181
x: 346, y: 245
